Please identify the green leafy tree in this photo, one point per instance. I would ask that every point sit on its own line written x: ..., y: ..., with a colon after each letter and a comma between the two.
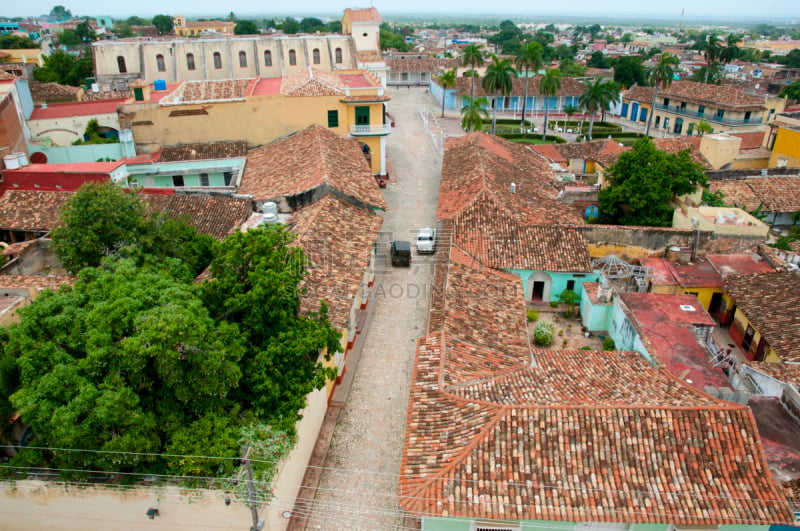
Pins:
x: 570, y: 299
x: 571, y: 68
x: 123, y: 31
x: 499, y: 79
x: 549, y: 86
x: 629, y: 71
x: 530, y: 59
x: 163, y: 23
x: 791, y: 60
x: 85, y: 32
x: 729, y: 52
x: 60, y: 13
x: 704, y: 128
x: 15, y: 42
x: 643, y: 182
x: 627, y: 37
x: 714, y: 199
x: 473, y: 113
x: 312, y: 25
x: 661, y: 77
x: 68, y: 37
x: 598, y: 60
x: 92, y: 135
x: 711, y: 48
x: 447, y: 80
x: 390, y: 38
x: 137, y: 21
x: 246, y: 27
x: 791, y: 91
x: 61, y: 67
x: 290, y: 26
x: 472, y: 55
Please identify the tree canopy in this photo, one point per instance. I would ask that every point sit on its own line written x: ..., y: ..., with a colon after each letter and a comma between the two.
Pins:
x: 60, y: 13
x: 15, y: 42
x: 791, y: 60
x: 163, y: 23
x: 61, y: 67
x: 642, y: 183
x: 135, y: 357
x: 246, y: 27
x: 792, y: 91
x: 630, y: 71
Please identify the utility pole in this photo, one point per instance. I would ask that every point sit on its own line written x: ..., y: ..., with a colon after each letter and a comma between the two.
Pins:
x: 258, y: 525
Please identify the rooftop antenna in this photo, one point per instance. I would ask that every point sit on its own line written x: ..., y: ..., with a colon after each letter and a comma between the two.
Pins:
x: 680, y: 24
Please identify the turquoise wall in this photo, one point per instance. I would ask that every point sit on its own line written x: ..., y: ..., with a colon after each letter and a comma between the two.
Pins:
x: 558, y: 281
x: 624, y: 335
x: 595, y: 317
x: 159, y: 175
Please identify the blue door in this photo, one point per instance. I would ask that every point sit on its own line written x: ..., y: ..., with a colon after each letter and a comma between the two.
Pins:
x: 643, y: 115
x: 624, y: 112
x: 634, y: 111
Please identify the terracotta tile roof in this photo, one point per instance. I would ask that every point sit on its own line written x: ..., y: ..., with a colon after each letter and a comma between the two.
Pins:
x: 208, y: 151
x: 776, y: 194
x: 208, y: 90
x: 337, y: 238
x: 779, y: 194
x: 550, y: 152
x: 52, y: 91
x: 312, y: 82
x: 594, y: 150
x: 771, y: 302
x: 313, y: 158
x: 77, y: 108
x: 681, y: 143
x: 739, y: 264
x: 422, y: 64
x: 209, y: 23
x: 721, y: 96
x: 369, y: 56
x: 569, y: 86
x: 39, y: 282
x: 736, y: 193
x: 477, y: 172
x: 364, y: 15
x: 214, y: 214
x: 32, y: 210
x: 785, y: 372
x: 18, y: 248
x: 544, y: 248
x: 495, y: 430
x: 750, y: 140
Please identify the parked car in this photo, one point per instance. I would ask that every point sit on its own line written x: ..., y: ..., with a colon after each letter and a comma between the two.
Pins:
x: 400, y: 253
x: 426, y: 241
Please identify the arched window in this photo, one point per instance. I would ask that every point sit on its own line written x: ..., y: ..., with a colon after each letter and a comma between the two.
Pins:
x: 190, y: 61
x: 292, y: 57
x: 267, y: 58
x: 338, y: 55
x: 121, y: 64
x: 217, y: 60
x: 160, y: 63
x: 316, y: 56
x: 243, y: 59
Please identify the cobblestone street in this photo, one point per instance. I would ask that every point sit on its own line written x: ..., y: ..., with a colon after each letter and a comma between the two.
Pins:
x: 358, y: 488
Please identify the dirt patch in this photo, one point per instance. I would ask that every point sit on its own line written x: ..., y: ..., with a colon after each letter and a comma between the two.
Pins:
x: 569, y: 334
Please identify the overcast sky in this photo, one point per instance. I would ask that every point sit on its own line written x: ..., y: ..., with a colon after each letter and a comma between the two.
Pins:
x: 770, y: 9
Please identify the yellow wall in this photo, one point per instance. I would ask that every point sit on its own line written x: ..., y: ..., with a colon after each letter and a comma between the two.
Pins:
x: 258, y: 120
x: 626, y: 251
x: 703, y: 294
x: 24, y: 55
x: 787, y: 146
x: 741, y: 321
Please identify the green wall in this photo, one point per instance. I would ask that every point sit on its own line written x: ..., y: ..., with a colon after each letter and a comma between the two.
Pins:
x: 558, y: 281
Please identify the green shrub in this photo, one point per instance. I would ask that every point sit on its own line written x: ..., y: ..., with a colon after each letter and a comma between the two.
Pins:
x: 587, y: 347
x: 565, y: 342
x: 553, y: 304
x: 543, y: 333
x: 533, y: 315
x: 608, y: 343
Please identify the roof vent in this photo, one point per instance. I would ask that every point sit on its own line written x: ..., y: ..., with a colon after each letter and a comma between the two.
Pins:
x: 688, y: 308
x: 513, y: 188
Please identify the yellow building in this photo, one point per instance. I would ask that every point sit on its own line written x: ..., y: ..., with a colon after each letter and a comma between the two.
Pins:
x: 259, y: 110
x: 187, y: 28
x: 785, y: 140
x: 722, y: 221
x: 23, y: 55
x: 681, y: 106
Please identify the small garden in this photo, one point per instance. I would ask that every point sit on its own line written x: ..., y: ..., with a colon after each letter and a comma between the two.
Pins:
x: 559, y: 327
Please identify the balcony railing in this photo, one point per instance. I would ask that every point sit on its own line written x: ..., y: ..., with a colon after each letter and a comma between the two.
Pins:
x: 367, y: 130
x: 708, y: 117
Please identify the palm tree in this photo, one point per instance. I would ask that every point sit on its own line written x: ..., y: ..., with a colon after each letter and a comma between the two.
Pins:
x: 473, y: 113
x: 730, y: 51
x: 447, y: 79
x: 569, y: 110
x: 661, y: 76
x: 499, y: 79
x: 613, y: 97
x: 472, y: 55
x: 703, y: 127
x: 549, y: 85
x: 596, y: 98
x: 711, y: 50
x: 530, y: 58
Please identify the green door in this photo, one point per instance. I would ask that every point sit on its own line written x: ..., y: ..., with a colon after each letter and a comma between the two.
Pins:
x: 362, y: 115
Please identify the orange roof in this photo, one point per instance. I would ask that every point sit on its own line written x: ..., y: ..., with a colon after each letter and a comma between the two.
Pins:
x: 364, y: 15
x: 82, y: 108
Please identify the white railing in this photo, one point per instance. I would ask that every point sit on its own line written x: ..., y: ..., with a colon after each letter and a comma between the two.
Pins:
x: 379, y: 129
